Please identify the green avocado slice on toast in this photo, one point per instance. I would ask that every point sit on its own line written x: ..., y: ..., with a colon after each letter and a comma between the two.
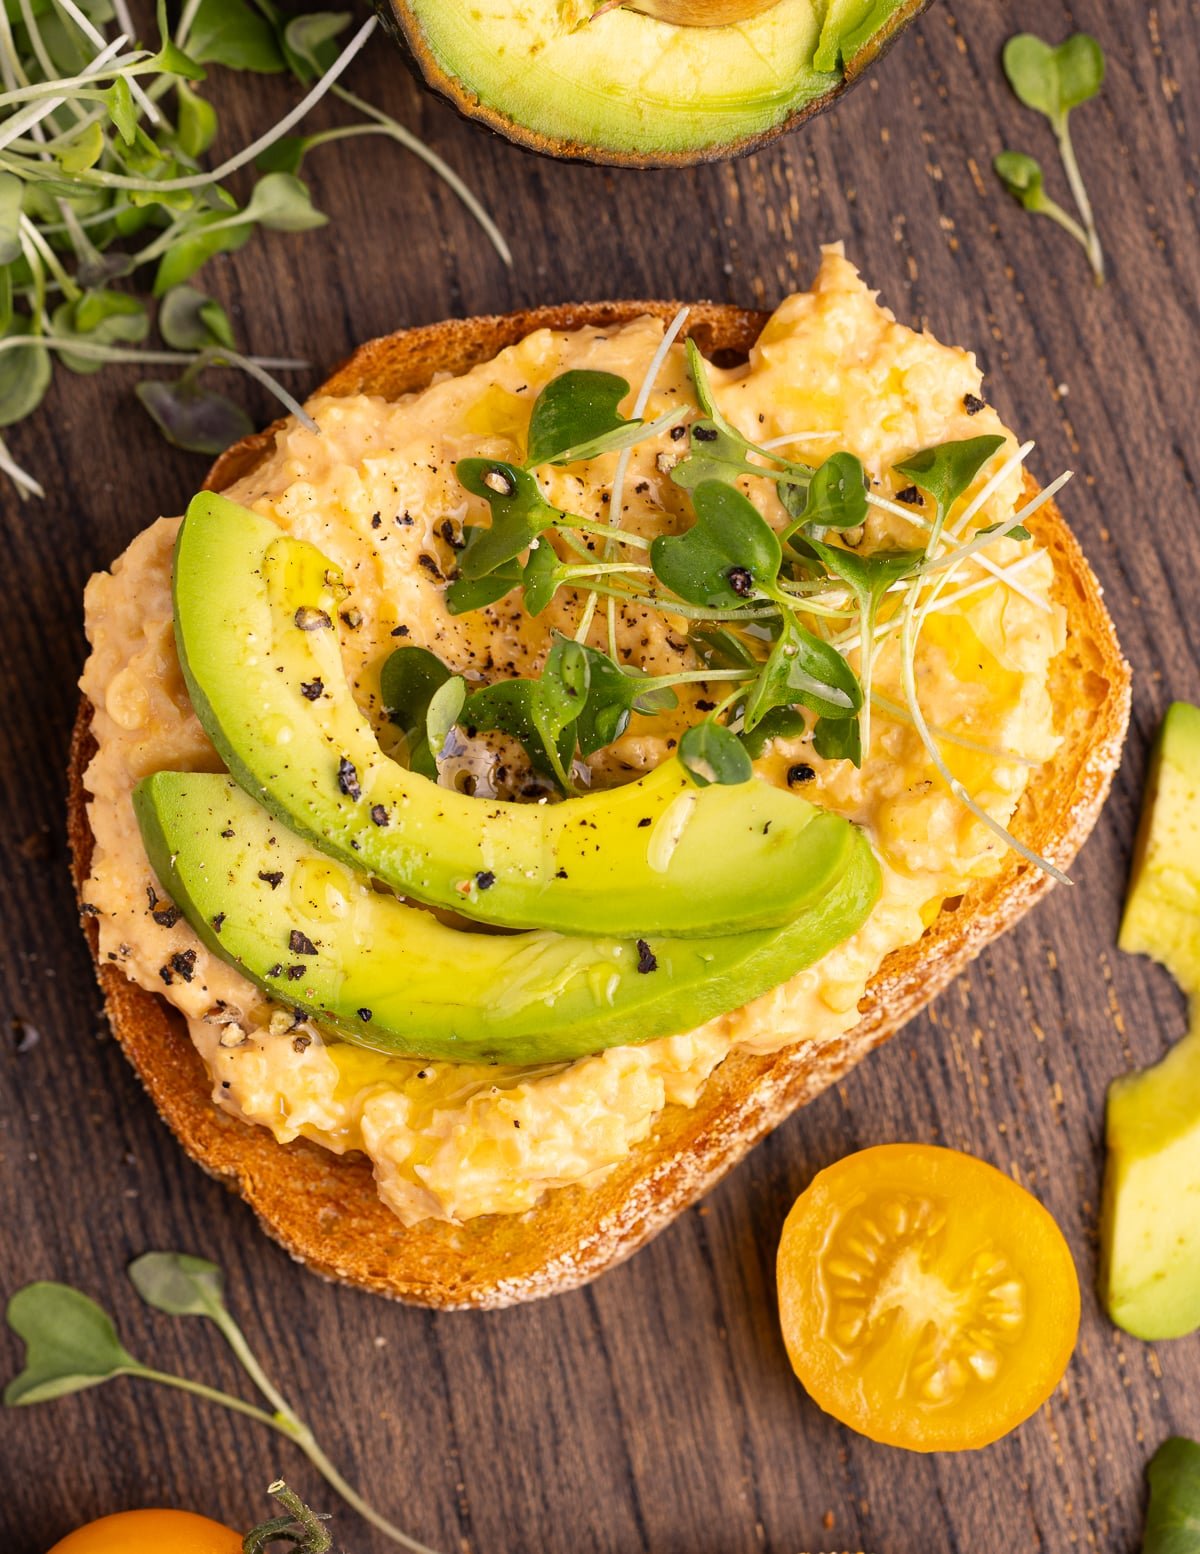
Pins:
x: 386, y: 975
x: 256, y: 615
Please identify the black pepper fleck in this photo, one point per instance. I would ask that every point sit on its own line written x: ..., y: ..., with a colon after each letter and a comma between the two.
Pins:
x: 647, y: 960
x: 911, y: 495
x: 379, y: 814
x: 309, y: 618
x: 294, y: 973
x: 185, y: 964
x: 348, y: 779
x: 741, y: 580
x: 352, y: 618
x: 702, y: 705
x: 704, y: 433
x: 273, y: 878
x: 677, y: 432
x: 218, y: 922
x: 300, y: 944
x: 485, y: 879
x: 399, y: 631
x: 799, y: 773
x: 302, y: 1042
x: 364, y: 1014
x: 276, y: 970
x: 972, y: 404
x: 311, y: 689
x: 645, y: 821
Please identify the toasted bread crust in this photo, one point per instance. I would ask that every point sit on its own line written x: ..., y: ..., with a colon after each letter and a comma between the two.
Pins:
x: 324, y: 1208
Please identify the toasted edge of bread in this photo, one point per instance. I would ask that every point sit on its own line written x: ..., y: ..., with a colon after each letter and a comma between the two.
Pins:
x: 324, y: 1207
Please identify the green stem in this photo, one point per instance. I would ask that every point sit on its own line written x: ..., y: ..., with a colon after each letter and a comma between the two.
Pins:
x: 1091, y: 238
x: 1048, y: 207
x: 353, y: 1499
x: 590, y: 526
x: 213, y: 1395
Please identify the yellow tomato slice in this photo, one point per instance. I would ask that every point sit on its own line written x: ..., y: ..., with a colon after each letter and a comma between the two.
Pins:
x: 151, y: 1532
x: 927, y: 1301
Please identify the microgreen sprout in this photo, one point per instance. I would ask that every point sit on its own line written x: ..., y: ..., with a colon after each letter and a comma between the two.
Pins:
x: 71, y: 1344
x: 106, y: 203
x: 1053, y: 80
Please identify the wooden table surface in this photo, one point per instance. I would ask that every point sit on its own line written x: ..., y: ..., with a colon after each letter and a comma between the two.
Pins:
x: 655, y: 1409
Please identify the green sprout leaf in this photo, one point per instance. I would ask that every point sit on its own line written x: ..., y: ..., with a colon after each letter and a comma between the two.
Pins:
x: 803, y: 669
x: 573, y: 417
x: 308, y: 43
x: 838, y: 739
x: 99, y: 317
x: 729, y: 552
x: 24, y: 375
x: 614, y: 693
x: 179, y: 1284
x: 411, y: 680
x: 779, y: 723
x: 121, y: 110
x: 1053, y: 80
x: 541, y: 577
x: 196, y: 121
x: 519, y: 514
x: 196, y: 247
x: 192, y: 418
x: 282, y: 203
x: 70, y: 1342
x: 944, y: 472
x: 718, y: 647
x: 1022, y: 176
x: 445, y: 705
x: 836, y: 496
x: 10, y: 217
x: 466, y: 594
x: 83, y: 151
x: 1173, y: 1515
x: 710, y: 753
x: 190, y: 321
x: 235, y: 34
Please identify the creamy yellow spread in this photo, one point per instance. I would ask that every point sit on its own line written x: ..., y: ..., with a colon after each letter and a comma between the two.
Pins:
x: 375, y: 489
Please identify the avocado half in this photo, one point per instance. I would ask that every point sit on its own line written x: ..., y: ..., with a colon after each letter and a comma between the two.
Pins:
x: 573, y: 78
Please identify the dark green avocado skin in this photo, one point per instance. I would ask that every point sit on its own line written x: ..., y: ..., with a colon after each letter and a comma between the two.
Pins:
x: 257, y: 622
x: 399, y: 20
x: 316, y: 937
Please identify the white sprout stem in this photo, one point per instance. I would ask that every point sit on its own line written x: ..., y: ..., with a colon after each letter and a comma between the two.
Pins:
x: 896, y: 709
x: 908, y: 656
x: 1001, y: 574
x: 955, y: 558
x: 388, y: 126
x: 186, y: 18
x: 116, y: 353
x: 886, y: 628
x: 259, y: 373
x: 124, y: 18
x: 250, y: 152
x: 94, y: 36
x: 42, y: 105
x: 10, y: 61
x: 985, y: 494
x: 21, y: 478
x: 28, y: 231
x: 642, y: 399
x: 791, y: 437
x: 1091, y: 244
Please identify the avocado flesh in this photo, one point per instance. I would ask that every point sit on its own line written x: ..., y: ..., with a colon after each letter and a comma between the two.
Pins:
x: 391, y: 977
x: 1150, y: 1227
x: 627, y: 86
x: 656, y: 856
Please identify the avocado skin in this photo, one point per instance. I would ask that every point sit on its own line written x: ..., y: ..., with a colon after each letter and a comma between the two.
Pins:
x: 393, y: 978
x: 400, y: 20
x: 1150, y: 1220
x: 655, y: 856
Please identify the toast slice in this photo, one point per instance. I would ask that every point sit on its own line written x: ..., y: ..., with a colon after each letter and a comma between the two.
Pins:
x: 324, y: 1208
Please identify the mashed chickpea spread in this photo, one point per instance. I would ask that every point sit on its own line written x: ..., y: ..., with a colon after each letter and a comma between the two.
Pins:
x: 376, y: 491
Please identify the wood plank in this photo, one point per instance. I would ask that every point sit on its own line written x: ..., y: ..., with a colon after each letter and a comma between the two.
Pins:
x: 654, y: 1410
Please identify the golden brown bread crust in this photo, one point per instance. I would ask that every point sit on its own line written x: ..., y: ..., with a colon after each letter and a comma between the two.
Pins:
x: 324, y: 1208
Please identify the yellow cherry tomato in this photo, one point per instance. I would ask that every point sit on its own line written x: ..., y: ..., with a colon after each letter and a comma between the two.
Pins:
x: 151, y: 1532
x: 926, y: 1300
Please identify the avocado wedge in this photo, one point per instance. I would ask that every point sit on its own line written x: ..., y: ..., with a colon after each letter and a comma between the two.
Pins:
x: 256, y: 624
x: 576, y: 78
x: 316, y: 935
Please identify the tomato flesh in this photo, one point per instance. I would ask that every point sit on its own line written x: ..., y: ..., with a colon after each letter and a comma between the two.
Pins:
x: 927, y: 1301
x: 151, y: 1532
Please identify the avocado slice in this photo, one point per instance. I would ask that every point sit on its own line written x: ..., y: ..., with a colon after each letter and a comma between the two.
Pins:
x: 1150, y: 1223
x: 316, y: 935
x: 256, y: 623
x: 617, y: 85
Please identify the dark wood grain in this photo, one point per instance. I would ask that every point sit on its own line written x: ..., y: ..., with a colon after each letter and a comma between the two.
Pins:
x: 655, y: 1409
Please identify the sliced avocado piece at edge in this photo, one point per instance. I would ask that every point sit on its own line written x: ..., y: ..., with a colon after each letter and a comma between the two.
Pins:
x: 256, y: 615
x: 389, y: 976
x: 1150, y: 1220
x: 627, y: 88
